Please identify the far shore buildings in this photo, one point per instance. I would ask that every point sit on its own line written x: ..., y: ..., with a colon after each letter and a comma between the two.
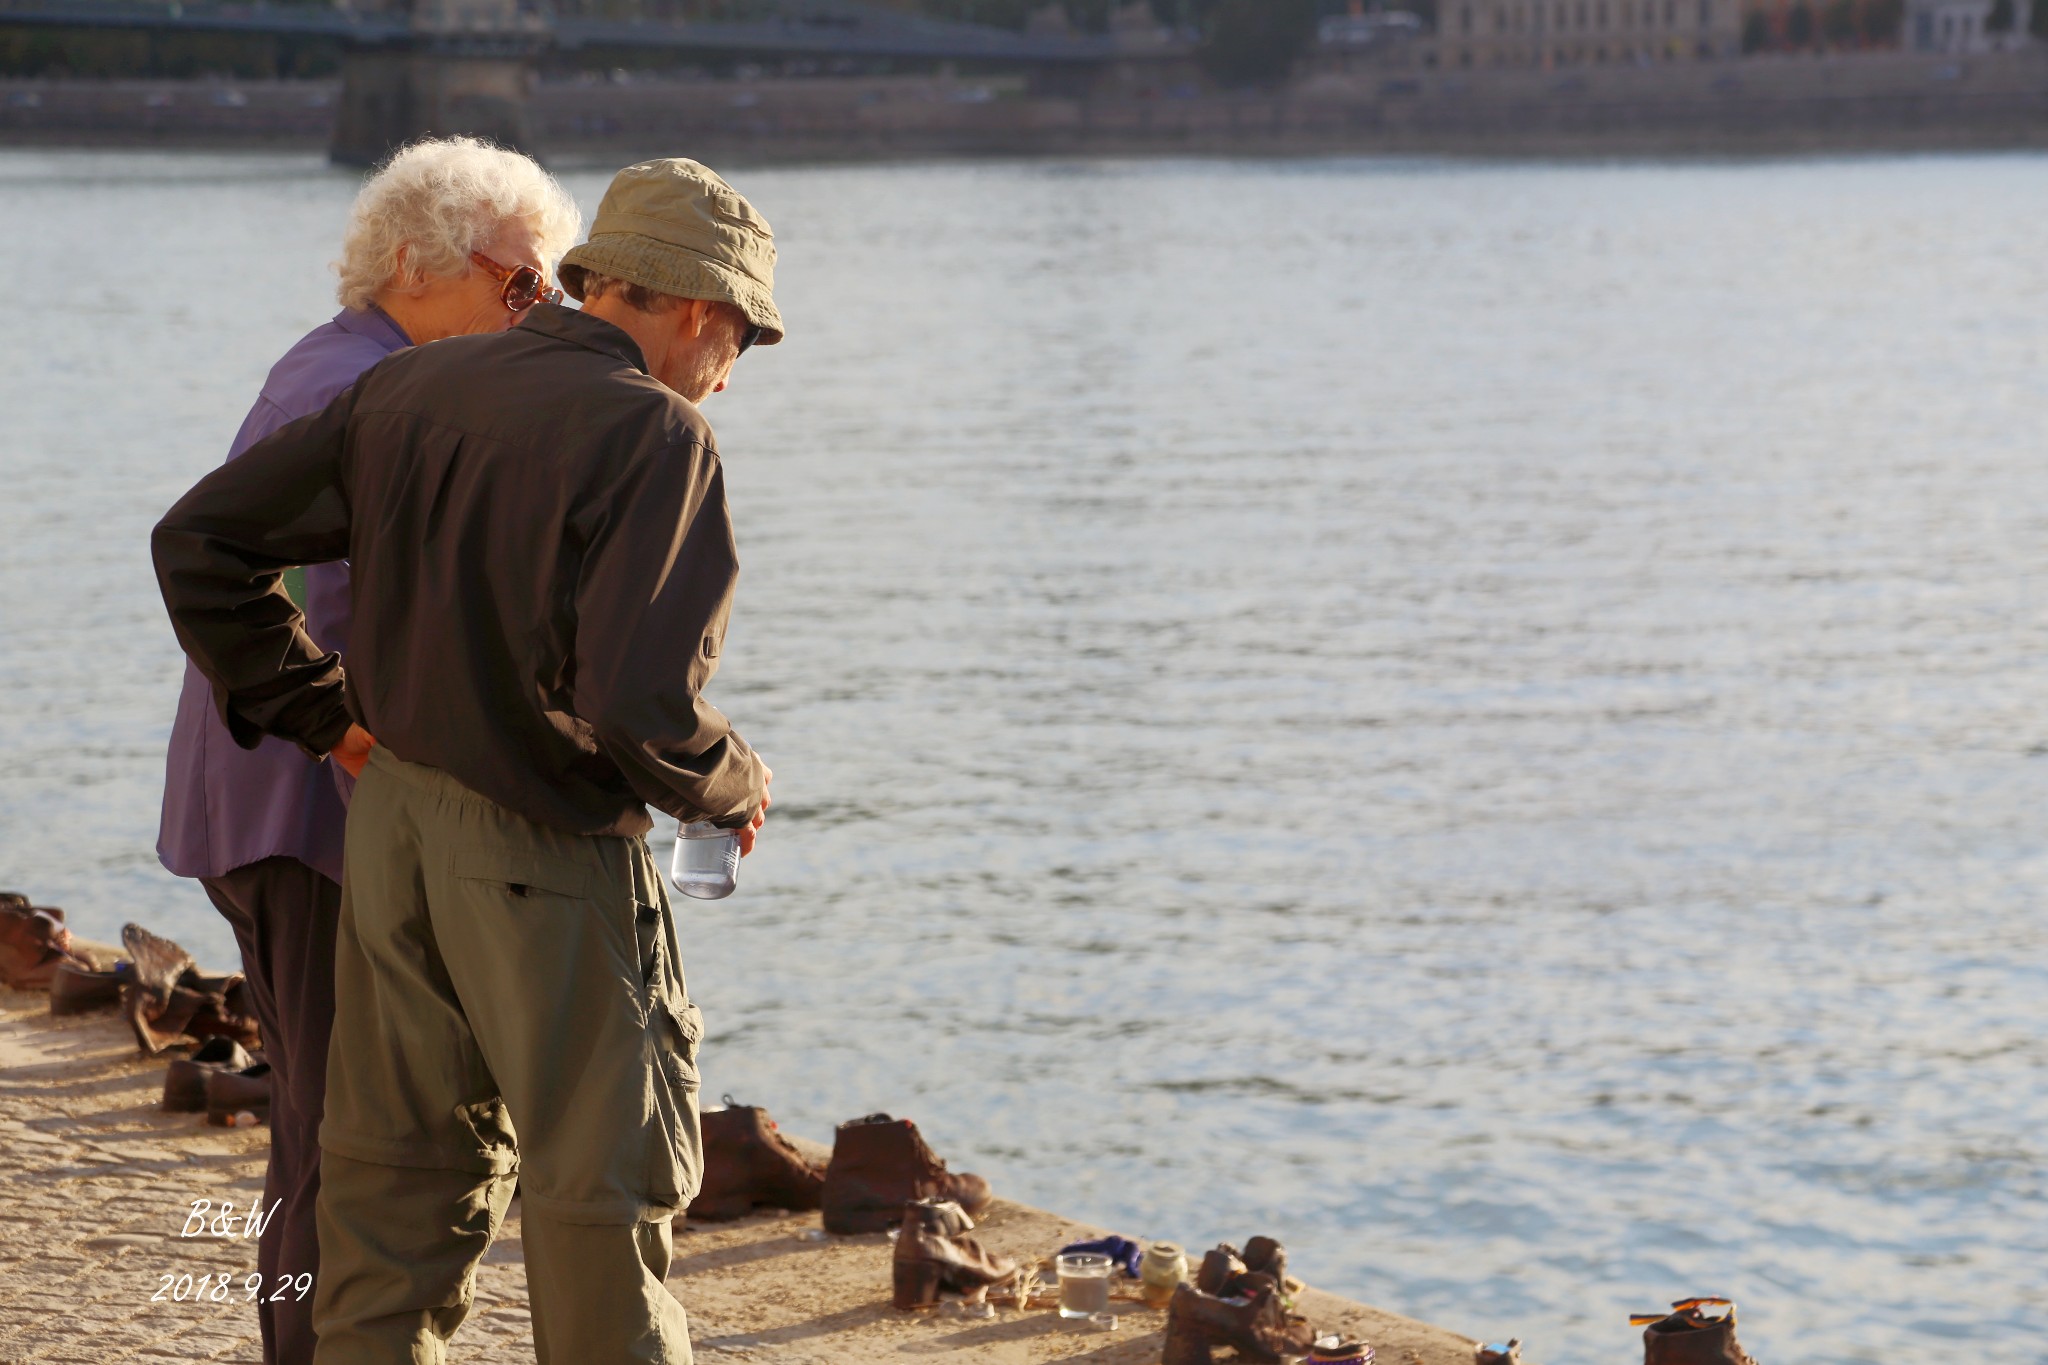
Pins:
x: 1962, y: 28
x: 1559, y: 33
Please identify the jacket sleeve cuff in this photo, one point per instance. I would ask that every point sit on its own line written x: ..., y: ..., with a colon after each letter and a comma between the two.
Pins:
x: 726, y: 793
x: 327, y: 736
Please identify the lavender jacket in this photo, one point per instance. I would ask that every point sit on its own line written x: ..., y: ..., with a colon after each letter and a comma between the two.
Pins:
x: 225, y: 806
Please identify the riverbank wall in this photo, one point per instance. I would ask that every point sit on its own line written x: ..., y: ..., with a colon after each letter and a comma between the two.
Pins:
x: 101, y: 1258
x: 1868, y: 102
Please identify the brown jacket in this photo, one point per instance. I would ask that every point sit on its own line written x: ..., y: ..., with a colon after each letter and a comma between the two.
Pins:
x: 543, y: 565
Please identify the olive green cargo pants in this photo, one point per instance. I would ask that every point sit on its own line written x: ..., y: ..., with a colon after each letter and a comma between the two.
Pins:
x: 509, y: 1009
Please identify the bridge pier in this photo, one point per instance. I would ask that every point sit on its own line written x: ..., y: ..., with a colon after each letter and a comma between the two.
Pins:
x: 434, y: 85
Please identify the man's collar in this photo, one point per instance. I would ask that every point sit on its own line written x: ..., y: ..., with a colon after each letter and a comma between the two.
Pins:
x: 568, y: 324
x: 376, y: 324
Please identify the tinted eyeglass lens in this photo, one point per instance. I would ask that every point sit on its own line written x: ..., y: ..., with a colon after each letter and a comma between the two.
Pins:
x: 524, y: 288
x: 749, y: 337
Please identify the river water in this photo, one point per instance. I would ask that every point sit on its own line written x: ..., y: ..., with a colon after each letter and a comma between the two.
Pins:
x: 1487, y: 720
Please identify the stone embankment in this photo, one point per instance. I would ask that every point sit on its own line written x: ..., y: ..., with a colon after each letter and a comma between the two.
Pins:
x: 104, y: 1260
x: 1868, y: 102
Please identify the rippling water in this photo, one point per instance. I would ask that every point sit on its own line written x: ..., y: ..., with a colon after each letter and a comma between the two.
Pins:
x: 1487, y: 720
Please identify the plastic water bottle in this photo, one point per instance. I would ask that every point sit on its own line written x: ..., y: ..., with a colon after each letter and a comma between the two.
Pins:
x: 707, y: 861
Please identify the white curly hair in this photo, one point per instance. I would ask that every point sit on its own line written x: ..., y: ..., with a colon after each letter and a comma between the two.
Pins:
x: 434, y: 202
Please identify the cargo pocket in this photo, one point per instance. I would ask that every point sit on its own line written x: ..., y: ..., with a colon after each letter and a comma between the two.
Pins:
x: 675, y: 1166
x: 497, y: 1145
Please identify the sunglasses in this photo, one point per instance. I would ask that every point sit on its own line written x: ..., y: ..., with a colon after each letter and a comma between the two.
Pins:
x: 524, y: 286
x: 749, y: 336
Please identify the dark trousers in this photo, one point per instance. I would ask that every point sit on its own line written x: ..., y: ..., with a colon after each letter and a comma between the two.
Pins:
x: 285, y: 915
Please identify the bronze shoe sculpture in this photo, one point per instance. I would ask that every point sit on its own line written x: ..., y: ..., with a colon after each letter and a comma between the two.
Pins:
x: 185, y: 1014
x: 1247, y: 1316
x: 1268, y: 1257
x: 749, y: 1164
x: 218, y: 1020
x: 1219, y: 1268
x: 1263, y: 1254
x: 159, y: 963
x: 76, y: 989
x: 166, y: 997
x: 934, y: 1253
x: 34, y: 944
x: 1694, y: 1332
x: 229, y: 1093
x: 158, y: 1024
x: 185, y: 1077
x: 146, y: 998
x: 878, y: 1165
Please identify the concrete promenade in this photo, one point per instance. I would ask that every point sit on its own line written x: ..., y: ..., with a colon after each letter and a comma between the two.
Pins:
x: 97, y: 1186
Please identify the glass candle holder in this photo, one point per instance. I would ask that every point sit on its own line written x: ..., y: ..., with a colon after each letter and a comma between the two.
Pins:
x: 1084, y: 1284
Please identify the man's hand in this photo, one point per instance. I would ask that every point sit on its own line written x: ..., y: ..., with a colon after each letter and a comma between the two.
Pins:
x: 751, y: 830
x: 354, y: 750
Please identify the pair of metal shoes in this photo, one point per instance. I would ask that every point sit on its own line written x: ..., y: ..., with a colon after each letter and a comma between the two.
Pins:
x: 1694, y: 1332
x: 161, y: 992
x: 878, y: 1165
x: 220, y: 1079
x: 1243, y: 1300
x: 34, y: 943
x: 934, y: 1255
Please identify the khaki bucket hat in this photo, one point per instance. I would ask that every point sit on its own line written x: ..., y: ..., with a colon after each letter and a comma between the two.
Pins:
x: 674, y: 226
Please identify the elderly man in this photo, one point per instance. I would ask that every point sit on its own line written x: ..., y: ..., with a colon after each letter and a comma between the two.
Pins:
x: 449, y: 237
x: 543, y: 566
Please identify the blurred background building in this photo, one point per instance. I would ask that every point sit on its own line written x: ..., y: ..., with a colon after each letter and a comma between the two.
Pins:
x: 1556, y: 33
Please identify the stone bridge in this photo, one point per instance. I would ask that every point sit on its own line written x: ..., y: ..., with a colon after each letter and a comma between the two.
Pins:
x: 418, y: 67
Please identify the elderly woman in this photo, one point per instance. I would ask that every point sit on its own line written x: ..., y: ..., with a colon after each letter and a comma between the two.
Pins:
x: 450, y: 237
